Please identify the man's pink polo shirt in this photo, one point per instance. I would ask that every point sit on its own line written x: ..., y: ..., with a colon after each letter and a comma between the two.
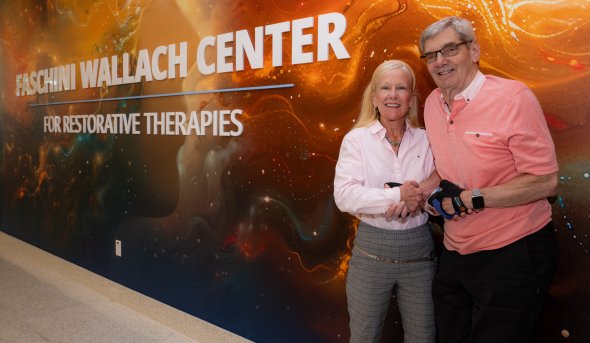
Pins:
x: 488, y: 140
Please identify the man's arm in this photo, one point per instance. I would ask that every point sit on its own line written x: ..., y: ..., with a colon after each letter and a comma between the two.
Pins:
x: 429, y: 185
x: 521, y: 190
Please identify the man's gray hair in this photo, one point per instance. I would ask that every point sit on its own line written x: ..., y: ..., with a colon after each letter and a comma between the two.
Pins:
x: 462, y: 26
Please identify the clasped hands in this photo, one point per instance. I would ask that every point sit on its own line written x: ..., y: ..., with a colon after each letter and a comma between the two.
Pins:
x: 412, y: 199
x: 448, y: 200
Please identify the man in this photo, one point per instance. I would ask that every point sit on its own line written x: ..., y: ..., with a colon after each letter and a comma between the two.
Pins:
x: 489, y: 137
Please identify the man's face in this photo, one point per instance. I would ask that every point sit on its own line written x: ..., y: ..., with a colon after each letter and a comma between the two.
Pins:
x: 454, y: 73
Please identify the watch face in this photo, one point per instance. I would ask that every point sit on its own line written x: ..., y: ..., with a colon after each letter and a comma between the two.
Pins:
x: 477, y: 202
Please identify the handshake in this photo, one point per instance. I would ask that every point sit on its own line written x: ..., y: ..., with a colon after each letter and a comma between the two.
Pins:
x: 413, y: 198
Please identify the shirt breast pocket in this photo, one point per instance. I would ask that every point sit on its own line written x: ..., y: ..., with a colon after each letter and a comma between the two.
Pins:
x: 483, y: 144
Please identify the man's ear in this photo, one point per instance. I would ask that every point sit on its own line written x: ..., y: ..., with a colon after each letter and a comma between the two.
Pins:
x: 474, y: 50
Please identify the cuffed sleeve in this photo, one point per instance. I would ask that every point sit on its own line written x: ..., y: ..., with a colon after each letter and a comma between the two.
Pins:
x: 351, y: 191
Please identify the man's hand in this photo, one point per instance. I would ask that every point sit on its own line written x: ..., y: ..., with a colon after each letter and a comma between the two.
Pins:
x: 451, y: 201
x: 447, y: 206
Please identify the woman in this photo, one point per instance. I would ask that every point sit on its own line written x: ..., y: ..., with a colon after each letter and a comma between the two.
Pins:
x: 393, y: 250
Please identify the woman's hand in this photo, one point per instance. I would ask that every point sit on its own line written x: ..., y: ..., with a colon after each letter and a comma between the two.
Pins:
x: 410, y: 201
x: 397, y: 210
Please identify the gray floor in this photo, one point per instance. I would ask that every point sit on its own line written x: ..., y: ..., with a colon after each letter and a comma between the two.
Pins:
x: 46, y: 299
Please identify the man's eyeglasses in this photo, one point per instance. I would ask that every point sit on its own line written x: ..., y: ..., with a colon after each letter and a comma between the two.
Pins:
x: 450, y: 50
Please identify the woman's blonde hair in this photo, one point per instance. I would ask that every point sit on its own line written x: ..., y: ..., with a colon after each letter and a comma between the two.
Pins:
x: 369, y: 113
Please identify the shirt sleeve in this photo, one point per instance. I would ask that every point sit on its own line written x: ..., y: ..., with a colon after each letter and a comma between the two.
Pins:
x: 529, y: 138
x: 350, y: 192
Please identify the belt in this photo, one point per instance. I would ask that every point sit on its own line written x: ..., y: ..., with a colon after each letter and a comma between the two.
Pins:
x: 395, y: 260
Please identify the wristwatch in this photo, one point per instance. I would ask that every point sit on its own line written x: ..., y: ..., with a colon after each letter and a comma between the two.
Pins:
x: 477, y: 199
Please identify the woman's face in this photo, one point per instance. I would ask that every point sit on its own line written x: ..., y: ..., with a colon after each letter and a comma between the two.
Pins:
x: 393, y: 95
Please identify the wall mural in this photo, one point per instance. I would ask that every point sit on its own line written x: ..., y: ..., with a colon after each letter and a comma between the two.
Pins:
x: 233, y: 221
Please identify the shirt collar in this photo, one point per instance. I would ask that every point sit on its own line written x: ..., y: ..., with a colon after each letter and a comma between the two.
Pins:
x: 470, y: 92
x: 377, y: 129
